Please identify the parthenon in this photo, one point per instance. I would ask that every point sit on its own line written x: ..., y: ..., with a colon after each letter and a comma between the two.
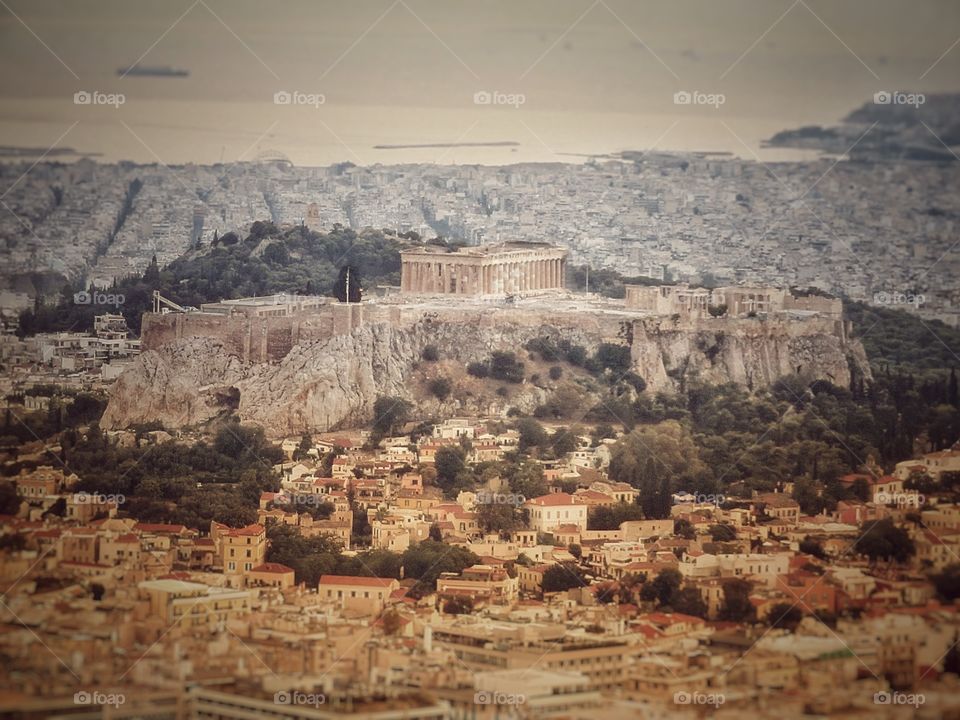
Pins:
x: 501, y: 269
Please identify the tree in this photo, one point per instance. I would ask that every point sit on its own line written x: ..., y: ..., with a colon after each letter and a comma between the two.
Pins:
x: 810, y: 546
x: 349, y: 277
x: 615, y: 358
x: 389, y: 413
x: 440, y: 388
x: 689, y: 602
x: 561, y: 577
x: 736, y: 606
x: 947, y: 582
x: 430, y: 353
x: 505, y: 366
x: 603, y: 517
x: 497, y: 516
x: 428, y: 559
x: 306, y: 444
x: 951, y: 661
x: 525, y: 478
x: 449, y: 461
x: 9, y: 500
x: 882, y: 540
x: 556, y: 372
x: 532, y: 434
x: 458, y: 605
x: 309, y: 557
x: 650, y: 458
x: 663, y: 588
x: 478, y: 369
x: 785, y: 616
x: 684, y: 528
x: 563, y: 441
x: 723, y: 533
x: 435, y: 533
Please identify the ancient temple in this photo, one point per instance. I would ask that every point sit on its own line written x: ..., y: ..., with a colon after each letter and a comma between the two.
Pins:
x: 501, y: 269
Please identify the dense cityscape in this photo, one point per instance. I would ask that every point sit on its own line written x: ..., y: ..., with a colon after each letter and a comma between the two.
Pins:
x: 433, y: 360
x: 675, y: 217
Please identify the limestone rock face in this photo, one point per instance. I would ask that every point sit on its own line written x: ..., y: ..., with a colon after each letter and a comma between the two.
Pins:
x: 333, y: 382
x: 750, y: 352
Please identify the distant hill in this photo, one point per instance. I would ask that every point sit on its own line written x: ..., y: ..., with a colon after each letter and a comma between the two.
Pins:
x: 890, y: 126
x: 267, y: 261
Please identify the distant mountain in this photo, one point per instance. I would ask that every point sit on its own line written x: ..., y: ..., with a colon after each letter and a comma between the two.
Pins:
x: 892, y: 125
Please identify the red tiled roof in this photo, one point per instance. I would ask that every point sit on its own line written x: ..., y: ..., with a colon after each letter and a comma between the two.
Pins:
x: 355, y: 580
x: 554, y: 499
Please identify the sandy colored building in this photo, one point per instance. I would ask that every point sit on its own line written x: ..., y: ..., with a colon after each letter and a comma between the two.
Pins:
x: 240, y: 549
x: 271, y: 575
x: 193, y: 605
x: 554, y: 509
x: 363, y: 594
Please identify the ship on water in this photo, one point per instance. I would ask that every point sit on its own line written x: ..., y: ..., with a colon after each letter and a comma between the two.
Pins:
x: 152, y: 71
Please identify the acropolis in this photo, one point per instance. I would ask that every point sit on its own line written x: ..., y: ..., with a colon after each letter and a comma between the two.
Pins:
x: 500, y: 269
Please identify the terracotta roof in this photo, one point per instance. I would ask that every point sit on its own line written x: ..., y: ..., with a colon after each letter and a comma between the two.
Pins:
x: 554, y: 499
x: 593, y: 495
x: 356, y: 580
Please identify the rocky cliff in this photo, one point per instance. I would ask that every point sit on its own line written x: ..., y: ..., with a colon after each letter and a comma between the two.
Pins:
x: 321, y: 383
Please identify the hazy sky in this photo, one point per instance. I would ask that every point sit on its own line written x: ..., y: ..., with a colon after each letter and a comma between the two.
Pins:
x: 595, y: 76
